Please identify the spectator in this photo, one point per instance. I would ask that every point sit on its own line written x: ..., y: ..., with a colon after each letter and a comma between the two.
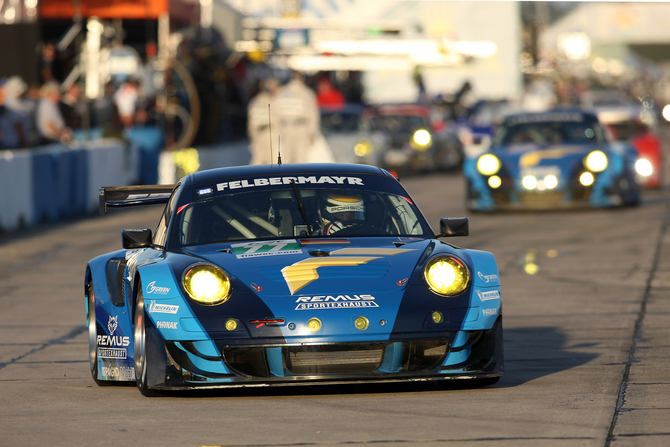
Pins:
x: 299, y: 112
x: 12, y: 134
x: 72, y: 108
x: 327, y: 94
x: 125, y: 99
x: 15, y: 90
x: 49, y: 120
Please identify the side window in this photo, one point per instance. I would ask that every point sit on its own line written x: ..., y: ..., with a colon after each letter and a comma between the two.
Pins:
x: 160, y: 235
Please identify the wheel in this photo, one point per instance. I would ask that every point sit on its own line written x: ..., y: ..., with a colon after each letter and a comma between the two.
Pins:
x: 92, y: 325
x: 140, y: 346
x: 467, y: 383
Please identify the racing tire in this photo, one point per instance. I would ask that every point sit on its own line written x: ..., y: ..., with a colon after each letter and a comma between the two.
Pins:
x: 142, y: 346
x: 467, y: 383
x: 92, y: 325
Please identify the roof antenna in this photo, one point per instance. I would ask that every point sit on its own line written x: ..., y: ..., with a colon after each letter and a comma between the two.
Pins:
x: 270, y: 128
x: 279, y: 150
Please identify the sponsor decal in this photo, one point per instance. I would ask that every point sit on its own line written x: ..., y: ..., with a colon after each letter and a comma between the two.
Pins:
x: 489, y: 312
x: 118, y: 372
x: 490, y: 295
x: 487, y: 278
x: 166, y: 324
x: 266, y: 248
x: 304, y: 272
x: 112, y: 353
x: 300, y: 180
x: 402, y: 282
x: 112, y: 341
x: 256, y: 287
x: 153, y: 288
x: 112, y: 324
x: 335, y: 302
x: 157, y: 308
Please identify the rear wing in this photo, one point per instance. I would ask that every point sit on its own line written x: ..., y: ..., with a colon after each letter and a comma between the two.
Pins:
x: 123, y: 196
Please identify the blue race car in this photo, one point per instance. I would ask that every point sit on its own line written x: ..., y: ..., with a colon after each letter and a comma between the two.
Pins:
x: 556, y: 159
x: 288, y: 275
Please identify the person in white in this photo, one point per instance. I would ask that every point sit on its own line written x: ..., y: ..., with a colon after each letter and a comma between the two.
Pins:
x: 48, y: 118
x: 263, y: 124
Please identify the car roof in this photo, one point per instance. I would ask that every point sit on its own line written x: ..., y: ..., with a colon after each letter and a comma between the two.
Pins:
x: 284, y: 169
x: 551, y: 113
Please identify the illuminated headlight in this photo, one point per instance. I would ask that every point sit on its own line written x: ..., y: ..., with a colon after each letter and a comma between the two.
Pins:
x: 488, y: 164
x: 529, y: 182
x: 596, y: 161
x: 550, y: 181
x: 446, y: 276
x: 207, y: 284
x: 495, y: 181
x: 363, y: 148
x: 586, y: 179
x: 644, y: 167
x: 421, y: 140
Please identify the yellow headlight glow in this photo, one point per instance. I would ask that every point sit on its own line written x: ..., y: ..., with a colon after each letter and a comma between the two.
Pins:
x: 421, y: 139
x: 495, y: 181
x: 446, y: 276
x: 314, y: 324
x: 586, y: 179
x: 596, y: 161
x: 363, y: 148
x: 550, y: 181
x: 529, y: 182
x: 437, y: 317
x: 207, y: 284
x: 488, y: 164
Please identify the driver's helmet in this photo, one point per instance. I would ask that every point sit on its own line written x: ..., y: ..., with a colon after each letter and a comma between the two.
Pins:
x: 337, y: 207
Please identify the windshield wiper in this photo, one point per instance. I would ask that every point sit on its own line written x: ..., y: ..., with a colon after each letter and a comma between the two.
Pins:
x: 301, y: 208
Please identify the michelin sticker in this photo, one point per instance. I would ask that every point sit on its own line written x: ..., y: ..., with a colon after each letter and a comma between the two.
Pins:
x: 300, y: 180
x: 490, y: 295
x: 156, y: 308
x: 266, y: 248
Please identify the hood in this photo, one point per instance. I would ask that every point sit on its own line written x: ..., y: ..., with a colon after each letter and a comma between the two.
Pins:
x: 309, y: 267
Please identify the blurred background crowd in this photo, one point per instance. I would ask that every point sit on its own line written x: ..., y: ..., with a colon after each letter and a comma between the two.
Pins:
x: 217, y: 72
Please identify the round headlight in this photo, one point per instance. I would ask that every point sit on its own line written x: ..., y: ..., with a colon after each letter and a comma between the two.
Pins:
x: 596, y: 161
x: 644, y: 167
x: 421, y: 139
x: 207, y: 284
x: 488, y: 164
x: 446, y: 276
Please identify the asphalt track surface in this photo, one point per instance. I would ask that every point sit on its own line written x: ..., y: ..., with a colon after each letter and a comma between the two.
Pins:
x: 587, y: 342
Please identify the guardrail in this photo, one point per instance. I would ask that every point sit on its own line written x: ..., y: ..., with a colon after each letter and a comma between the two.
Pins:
x: 52, y: 183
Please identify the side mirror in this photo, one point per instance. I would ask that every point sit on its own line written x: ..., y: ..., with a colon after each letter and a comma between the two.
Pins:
x: 454, y: 226
x: 136, y: 238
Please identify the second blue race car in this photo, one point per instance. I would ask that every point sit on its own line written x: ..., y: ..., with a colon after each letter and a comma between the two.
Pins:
x: 556, y: 159
x: 287, y: 275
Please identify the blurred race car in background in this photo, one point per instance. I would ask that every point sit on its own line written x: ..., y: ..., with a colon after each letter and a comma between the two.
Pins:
x: 632, y: 122
x: 348, y: 135
x: 415, y: 145
x: 290, y: 274
x: 555, y: 159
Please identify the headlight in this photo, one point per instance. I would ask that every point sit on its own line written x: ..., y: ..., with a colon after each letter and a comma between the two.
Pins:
x: 364, y: 147
x: 207, y: 284
x: 488, y: 164
x: 446, y: 276
x: 596, y: 161
x: 421, y: 140
x: 644, y: 167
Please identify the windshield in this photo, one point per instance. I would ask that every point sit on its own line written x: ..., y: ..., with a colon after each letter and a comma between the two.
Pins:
x: 273, y: 213
x: 399, y: 123
x: 335, y: 122
x: 582, y: 131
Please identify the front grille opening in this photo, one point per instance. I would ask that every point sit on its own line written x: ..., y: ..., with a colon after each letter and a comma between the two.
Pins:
x: 337, y: 358
x: 333, y: 359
